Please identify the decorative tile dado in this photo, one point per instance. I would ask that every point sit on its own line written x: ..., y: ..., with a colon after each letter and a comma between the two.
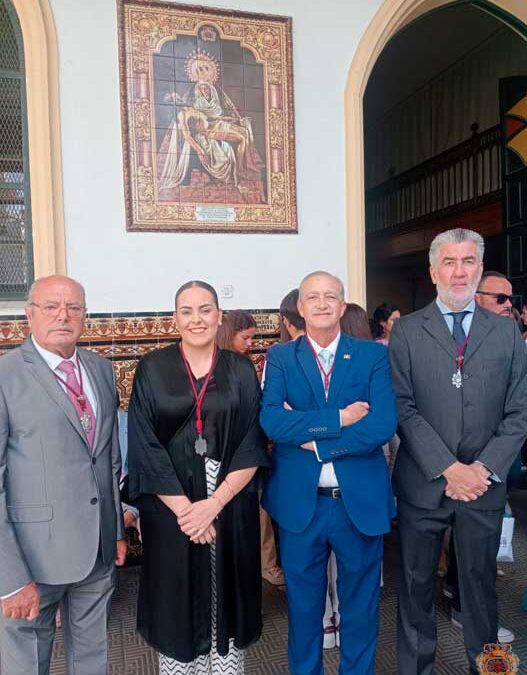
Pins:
x: 125, y: 337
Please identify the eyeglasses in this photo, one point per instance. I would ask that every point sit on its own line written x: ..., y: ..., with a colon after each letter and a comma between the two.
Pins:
x: 53, y: 309
x: 501, y: 298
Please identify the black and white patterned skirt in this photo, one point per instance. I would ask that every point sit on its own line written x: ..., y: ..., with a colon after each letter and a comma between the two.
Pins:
x: 211, y: 663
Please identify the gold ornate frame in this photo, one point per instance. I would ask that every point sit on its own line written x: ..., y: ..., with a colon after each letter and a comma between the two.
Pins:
x: 264, y: 198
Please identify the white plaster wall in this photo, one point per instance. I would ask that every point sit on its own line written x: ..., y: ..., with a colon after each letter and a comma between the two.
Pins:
x: 136, y: 271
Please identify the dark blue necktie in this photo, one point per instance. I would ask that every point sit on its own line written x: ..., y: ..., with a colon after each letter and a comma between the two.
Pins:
x: 458, y: 333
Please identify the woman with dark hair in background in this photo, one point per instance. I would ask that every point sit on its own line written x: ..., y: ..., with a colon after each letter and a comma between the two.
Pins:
x: 355, y: 322
x: 194, y: 445
x: 236, y: 331
x: 383, y: 319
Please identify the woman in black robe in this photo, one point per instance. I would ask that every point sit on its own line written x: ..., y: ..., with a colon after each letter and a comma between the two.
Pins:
x: 200, y: 593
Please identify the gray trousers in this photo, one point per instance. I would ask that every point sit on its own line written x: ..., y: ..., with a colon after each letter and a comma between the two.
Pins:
x: 477, y: 537
x: 26, y: 646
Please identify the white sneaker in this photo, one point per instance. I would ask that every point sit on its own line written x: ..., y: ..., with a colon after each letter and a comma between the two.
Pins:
x: 505, y: 635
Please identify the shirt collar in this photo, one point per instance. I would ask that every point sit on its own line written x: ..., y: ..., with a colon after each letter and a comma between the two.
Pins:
x: 53, y: 360
x: 332, y: 347
x: 444, y: 309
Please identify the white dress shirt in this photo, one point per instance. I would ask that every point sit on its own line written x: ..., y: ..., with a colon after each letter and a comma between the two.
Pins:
x: 328, y: 477
x: 467, y: 319
x: 54, y: 360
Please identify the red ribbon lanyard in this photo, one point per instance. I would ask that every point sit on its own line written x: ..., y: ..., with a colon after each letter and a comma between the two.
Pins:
x: 461, y: 352
x: 325, y: 375
x: 78, y: 394
x: 198, y: 397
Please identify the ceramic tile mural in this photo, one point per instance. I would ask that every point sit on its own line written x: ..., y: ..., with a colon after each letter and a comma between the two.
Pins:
x: 208, y: 121
x: 125, y: 337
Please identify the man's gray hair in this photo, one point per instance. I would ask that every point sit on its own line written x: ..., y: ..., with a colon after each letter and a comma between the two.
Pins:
x: 31, y: 291
x: 456, y: 236
x: 319, y: 273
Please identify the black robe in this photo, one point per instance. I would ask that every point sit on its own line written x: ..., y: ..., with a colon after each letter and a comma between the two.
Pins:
x: 174, y: 597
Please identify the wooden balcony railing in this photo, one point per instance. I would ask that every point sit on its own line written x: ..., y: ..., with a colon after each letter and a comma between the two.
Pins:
x: 466, y: 175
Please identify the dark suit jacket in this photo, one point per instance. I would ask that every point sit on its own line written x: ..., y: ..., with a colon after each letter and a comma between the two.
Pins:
x: 484, y: 420
x: 361, y: 373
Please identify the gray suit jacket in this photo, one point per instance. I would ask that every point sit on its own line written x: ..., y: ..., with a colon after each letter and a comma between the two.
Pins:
x: 484, y: 420
x: 59, y: 499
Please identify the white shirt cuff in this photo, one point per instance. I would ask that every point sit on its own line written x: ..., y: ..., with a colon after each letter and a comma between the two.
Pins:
x: 9, y: 595
x: 130, y: 509
x: 492, y: 476
x: 316, y: 451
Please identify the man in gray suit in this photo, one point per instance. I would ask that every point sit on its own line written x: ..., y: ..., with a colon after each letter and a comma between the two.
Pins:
x: 459, y: 373
x: 60, y: 516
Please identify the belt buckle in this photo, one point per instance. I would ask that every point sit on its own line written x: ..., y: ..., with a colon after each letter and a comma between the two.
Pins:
x: 335, y: 493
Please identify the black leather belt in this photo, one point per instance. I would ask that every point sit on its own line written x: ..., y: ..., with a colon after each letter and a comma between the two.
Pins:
x: 329, y: 492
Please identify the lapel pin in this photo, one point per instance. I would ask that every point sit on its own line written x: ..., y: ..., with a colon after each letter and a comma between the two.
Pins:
x: 346, y: 356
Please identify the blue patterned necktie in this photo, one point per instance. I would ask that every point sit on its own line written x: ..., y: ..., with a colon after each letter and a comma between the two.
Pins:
x: 458, y: 332
x: 326, y: 357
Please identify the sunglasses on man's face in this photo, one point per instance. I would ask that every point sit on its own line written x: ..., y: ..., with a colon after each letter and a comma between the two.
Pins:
x: 501, y: 298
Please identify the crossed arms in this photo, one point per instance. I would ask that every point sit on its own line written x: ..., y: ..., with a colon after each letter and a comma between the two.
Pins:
x: 365, y: 425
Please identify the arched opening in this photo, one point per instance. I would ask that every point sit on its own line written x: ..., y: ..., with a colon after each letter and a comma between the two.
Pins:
x: 43, y: 126
x: 16, y: 255
x: 388, y: 21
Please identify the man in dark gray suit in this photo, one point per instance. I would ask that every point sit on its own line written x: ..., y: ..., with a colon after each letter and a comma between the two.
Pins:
x: 60, y: 518
x: 459, y: 373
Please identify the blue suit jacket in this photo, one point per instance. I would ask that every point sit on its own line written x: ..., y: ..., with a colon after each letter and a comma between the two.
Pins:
x: 361, y: 373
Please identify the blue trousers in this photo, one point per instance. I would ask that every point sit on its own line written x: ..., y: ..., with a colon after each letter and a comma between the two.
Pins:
x: 304, y: 561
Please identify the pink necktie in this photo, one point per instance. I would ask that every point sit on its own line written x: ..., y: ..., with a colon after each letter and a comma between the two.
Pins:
x: 82, y: 407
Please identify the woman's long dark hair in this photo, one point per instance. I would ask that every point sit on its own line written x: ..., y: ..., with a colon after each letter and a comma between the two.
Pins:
x: 355, y: 322
x: 382, y: 313
x: 233, y: 322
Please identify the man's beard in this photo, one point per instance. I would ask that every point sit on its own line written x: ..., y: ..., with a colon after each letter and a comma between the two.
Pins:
x: 457, y: 302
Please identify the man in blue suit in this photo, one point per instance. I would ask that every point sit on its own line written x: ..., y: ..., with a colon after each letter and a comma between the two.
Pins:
x: 328, y: 405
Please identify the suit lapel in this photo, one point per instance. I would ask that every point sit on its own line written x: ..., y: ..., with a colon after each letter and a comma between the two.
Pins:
x: 343, y: 364
x: 435, y: 324
x: 479, y: 329
x: 311, y: 371
x: 43, y: 374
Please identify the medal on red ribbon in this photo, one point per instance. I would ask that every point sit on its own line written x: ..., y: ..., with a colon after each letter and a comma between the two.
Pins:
x: 457, y: 377
x: 200, y: 445
x: 84, y: 417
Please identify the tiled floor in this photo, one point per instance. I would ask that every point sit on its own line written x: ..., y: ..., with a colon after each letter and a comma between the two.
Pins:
x: 130, y: 656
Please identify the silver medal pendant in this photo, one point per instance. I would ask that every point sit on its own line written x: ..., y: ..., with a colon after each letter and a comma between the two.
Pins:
x: 200, y: 446
x: 86, y: 421
x: 457, y: 380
